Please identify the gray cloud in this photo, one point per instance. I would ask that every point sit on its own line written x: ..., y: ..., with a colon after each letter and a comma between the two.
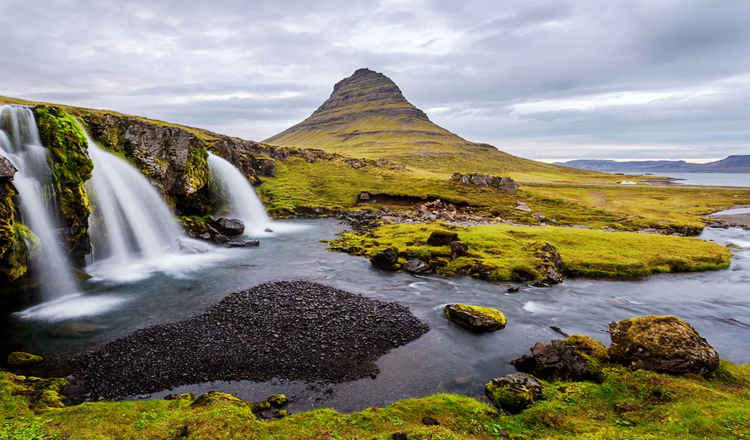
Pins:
x: 542, y: 79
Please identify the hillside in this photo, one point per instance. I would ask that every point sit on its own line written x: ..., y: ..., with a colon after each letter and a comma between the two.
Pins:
x: 368, y: 116
x: 731, y: 164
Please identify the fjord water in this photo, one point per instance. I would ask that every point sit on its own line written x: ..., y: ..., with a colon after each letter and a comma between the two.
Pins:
x: 448, y: 358
x: 20, y: 143
x: 711, y: 179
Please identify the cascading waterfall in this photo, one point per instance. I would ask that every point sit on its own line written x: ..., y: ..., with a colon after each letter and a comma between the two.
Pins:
x: 19, y: 143
x: 133, y: 230
x: 243, y: 200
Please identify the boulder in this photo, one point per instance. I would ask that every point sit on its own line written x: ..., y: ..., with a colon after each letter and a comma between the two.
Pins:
x: 576, y: 358
x: 221, y: 239
x: 182, y: 246
x: 229, y: 226
x: 7, y: 170
x: 215, y: 396
x: 514, y: 392
x: 661, y: 343
x: 387, y: 259
x: 458, y: 249
x: 508, y: 185
x: 277, y: 400
x: 483, y: 180
x: 442, y: 238
x: 476, y: 318
x: 20, y: 358
x: 415, y: 266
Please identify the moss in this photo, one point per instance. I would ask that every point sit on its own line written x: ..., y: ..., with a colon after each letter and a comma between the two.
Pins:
x: 481, y: 318
x: 587, y: 346
x: 22, y: 358
x: 47, y: 392
x: 277, y: 400
x: 71, y: 168
x: 514, y: 392
x: 215, y: 396
x: 194, y: 225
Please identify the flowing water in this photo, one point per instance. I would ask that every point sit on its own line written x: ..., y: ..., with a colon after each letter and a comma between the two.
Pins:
x: 19, y: 143
x: 448, y: 358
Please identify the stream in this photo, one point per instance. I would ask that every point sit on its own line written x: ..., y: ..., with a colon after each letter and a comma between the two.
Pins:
x: 447, y: 359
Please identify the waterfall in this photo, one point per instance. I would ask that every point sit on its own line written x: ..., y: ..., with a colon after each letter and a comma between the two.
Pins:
x: 241, y: 196
x: 133, y: 230
x: 19, y: 143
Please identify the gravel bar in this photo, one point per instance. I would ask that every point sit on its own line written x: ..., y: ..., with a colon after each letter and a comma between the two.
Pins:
x: 295, y: 330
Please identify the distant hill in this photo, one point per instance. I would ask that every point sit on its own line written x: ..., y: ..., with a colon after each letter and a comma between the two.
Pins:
x: 732, y: 164
x: 368, y: 116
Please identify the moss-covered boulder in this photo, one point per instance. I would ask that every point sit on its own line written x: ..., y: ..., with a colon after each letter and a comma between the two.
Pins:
x: 46, y: 393
x: 277, y: 400
x: 514, y: 392
x: 575, y: 358
x: 661, y: 343
x: 476, y: 318
x: 71, y: 168
x: 442, y: 238
x: 20, y: 358
x: 215, y: 396
x: 180, y: 396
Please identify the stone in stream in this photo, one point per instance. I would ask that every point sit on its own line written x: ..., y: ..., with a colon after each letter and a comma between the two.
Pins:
x: 229, y: 226
x: 187, y: 247
x: 277, y: 400
x: 476, y: 318
x: 415, y: 266
x: 661, y: 343
x: 221, y: 239
x: 19, y: 358
x: 514, y: 392
x: 248, y: 243
x: 387, y: 259
x: 575, y: 358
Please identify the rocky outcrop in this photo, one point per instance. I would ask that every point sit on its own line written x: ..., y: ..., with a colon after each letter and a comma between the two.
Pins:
x: 505, y: 184
x: 661, y: 343
x: 552, y: 265
x: 12, y: 245
x: 387, y: 259
x: 575, y: 358
x: 514, y: 392
x: 476, y: 318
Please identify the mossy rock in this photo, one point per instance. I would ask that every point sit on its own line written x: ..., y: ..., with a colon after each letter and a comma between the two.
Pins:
x: 575, y: 358
x: 442, y: 238
x: 661, y: 343
x: 22, y: 358
x: 587, y: 346
x: 514, y: 392
x: 476, y: 318
x: 47, y: 392
x: 277, y: 400
x: 181, y: 396
x: 215, y: 396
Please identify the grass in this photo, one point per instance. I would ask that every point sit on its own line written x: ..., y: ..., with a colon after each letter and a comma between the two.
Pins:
x: 506, y: 252
x: 627, y: 405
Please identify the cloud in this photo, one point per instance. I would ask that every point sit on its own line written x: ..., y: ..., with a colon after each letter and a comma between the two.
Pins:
x: 541, y: 78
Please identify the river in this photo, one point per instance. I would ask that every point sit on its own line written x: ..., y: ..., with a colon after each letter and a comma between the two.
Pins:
x: 447, y: 359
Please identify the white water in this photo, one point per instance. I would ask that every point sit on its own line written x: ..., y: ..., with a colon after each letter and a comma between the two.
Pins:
x: 134, y: 232
x: 19, y: 143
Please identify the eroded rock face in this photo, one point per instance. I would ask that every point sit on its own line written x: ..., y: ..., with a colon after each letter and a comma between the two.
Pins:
x: 476, y: 318
x: 514, y: 392
x: 576, y: 358
x: 661, y: 343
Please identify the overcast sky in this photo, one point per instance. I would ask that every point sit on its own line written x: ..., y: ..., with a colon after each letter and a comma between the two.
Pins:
x: 557, y: 79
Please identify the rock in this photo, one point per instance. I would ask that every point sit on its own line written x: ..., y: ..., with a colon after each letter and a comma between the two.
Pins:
x: 364, y: 196
x: 513, y: 289
x: 514, y: 392
x: 442, y: 238
x: 221, y: 239
x: 215, y: 396
x: 552, y: 264
x: 458, y: 249
x: 399, y: 436
x: 576, y: 358
x: 229, y: 226
x: 423, y: 210
x: 248, y: 243
x: 416, y: 266
x: 182, y: 396
x: 482, y: 180
x: 22, y: 358
x: 476, y: 318
x: 539, y: 216
x: 7, y: 170
x: 280, y: 414
x: 508, y: 185
x: 387, y: 259
x: 447, y: 216
x: 429, y: 421
x: 267, y: 230
x: 661, y: 343
x: 75, y: 329
x: 181, y: 246
x: 277, y: 400
x: 523, y: 208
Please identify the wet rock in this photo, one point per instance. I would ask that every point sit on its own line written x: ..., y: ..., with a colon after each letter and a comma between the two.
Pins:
x: 7, y: 170
x: 221, y: 239
x: 387, y: 259
x: 458, y: 249
x: 248, y: 243
x: 442, y: 238
x: 514, y: 392
x: 661, y: 343
x: 416, y: 266
x: 267, y: 230
x: 185, y: 247
x: 20, y: 358
x: 429, y: 421
x: 513, y: 289
x: 576, y: 358
x: 229, y: 226
x: 277, y: 400
x: 476, y: 318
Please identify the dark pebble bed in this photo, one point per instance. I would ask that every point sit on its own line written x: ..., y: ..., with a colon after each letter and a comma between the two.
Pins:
x: 295, y: 330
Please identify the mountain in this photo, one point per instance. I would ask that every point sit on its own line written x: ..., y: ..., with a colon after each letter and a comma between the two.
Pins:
x: 368, y: 116
x: 732, y: 164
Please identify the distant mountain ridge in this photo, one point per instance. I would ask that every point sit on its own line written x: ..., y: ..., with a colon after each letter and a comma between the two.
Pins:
x: 731, y: 164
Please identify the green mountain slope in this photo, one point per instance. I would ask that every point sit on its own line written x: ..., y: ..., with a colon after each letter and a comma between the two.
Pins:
x: 367, y: 116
